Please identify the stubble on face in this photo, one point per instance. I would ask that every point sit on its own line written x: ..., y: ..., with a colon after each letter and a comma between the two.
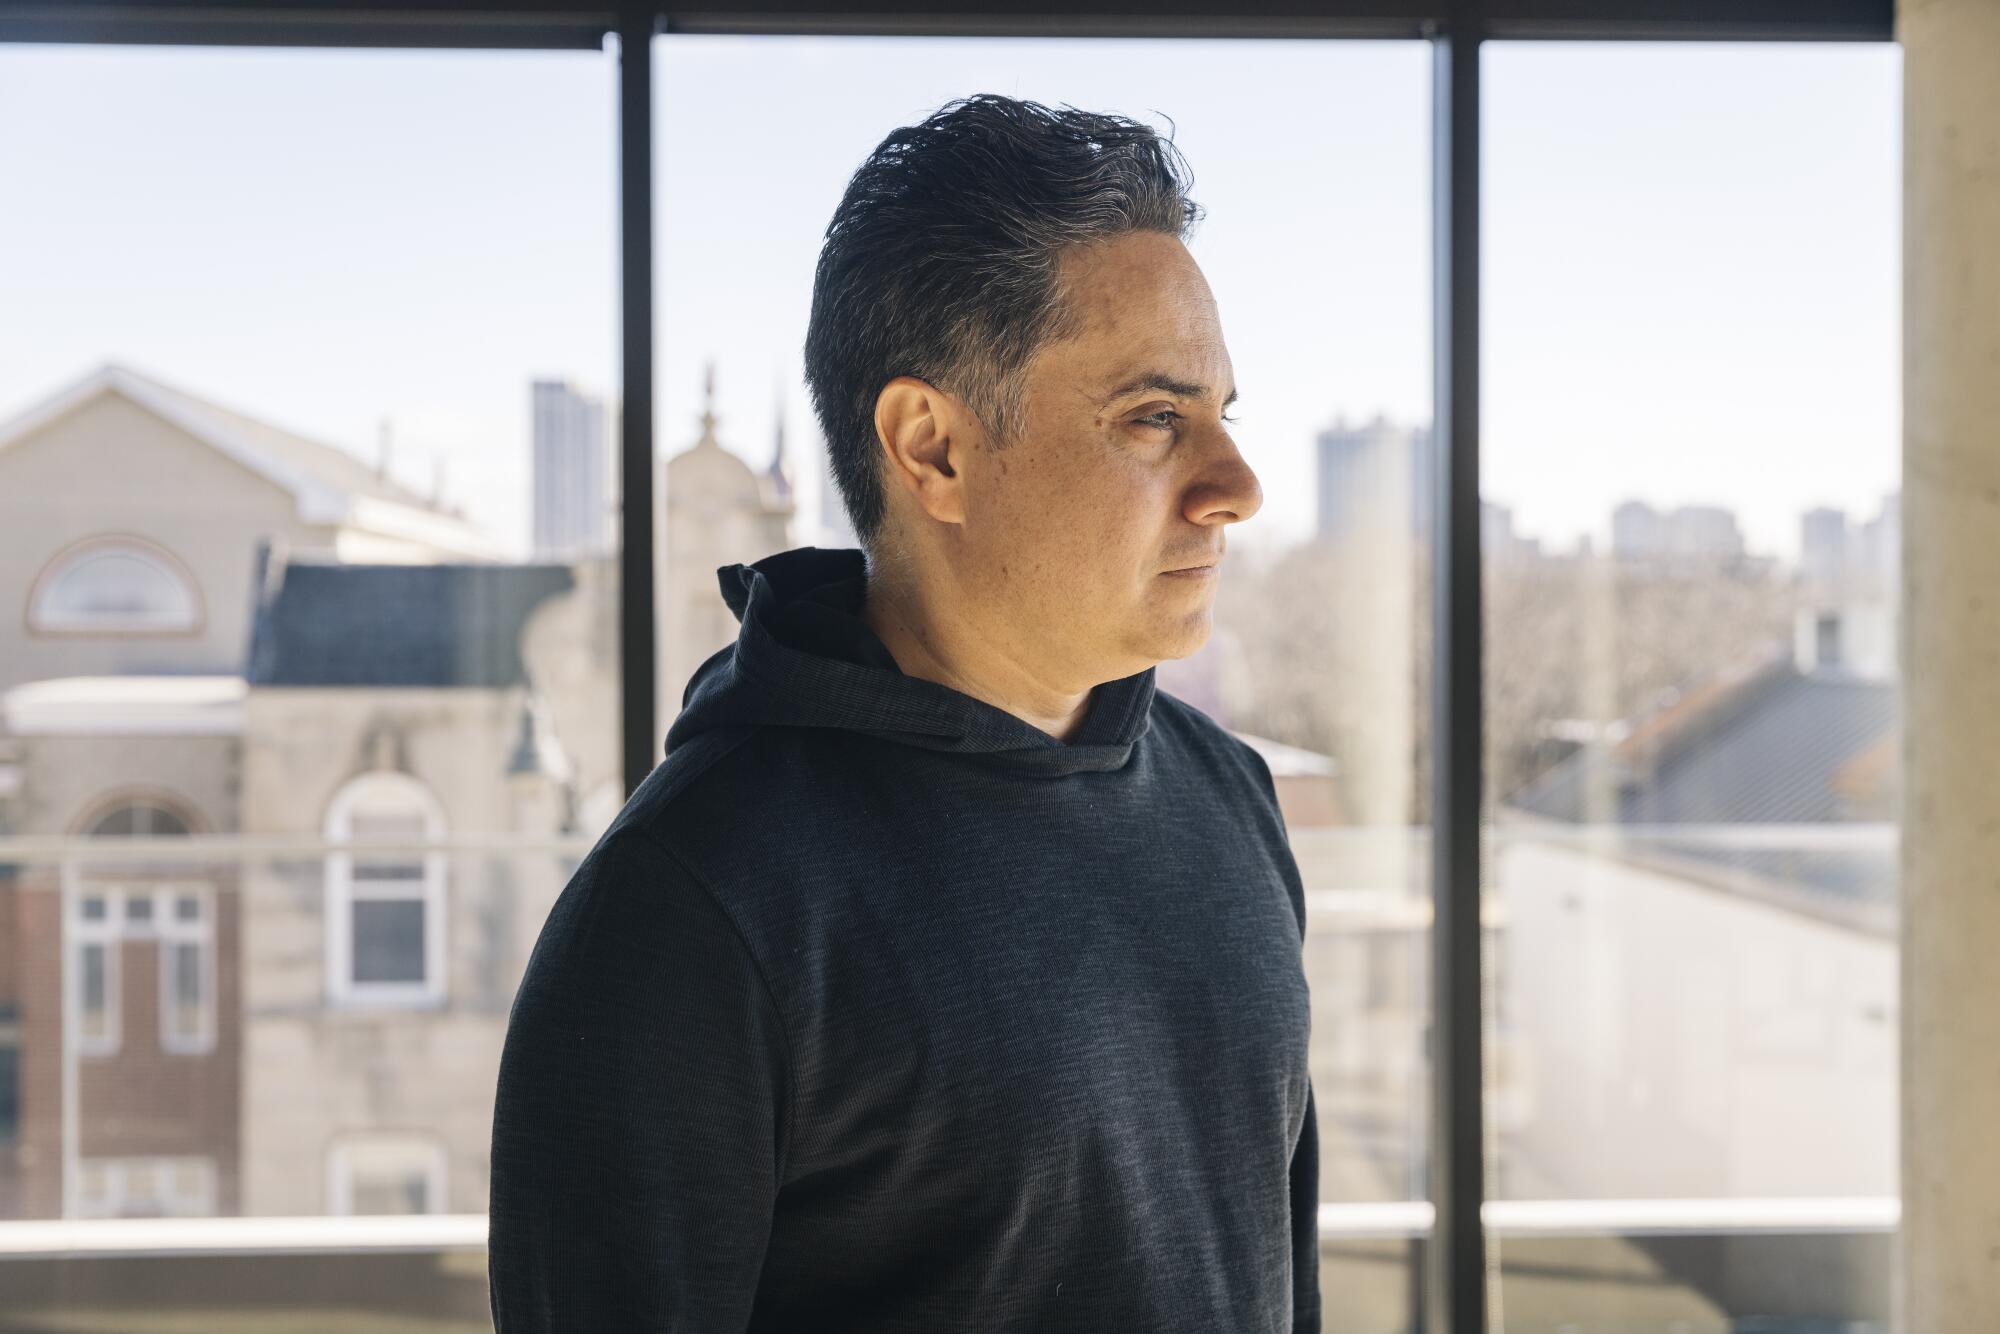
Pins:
x: 1072, y: 523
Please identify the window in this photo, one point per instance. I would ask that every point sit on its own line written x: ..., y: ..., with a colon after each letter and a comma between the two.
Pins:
x: 292, y: 411
x: 155, y: 1187
x: 10, y: 1075
x: 385, y: 908
x: 387, y: 1174
x: 185, y: 918
x: 139, y: 819
x: 93, y: 960
x: 1691, y: 412
x: 121, y: 584
x: 179, y: 917
x: 1319, y: 630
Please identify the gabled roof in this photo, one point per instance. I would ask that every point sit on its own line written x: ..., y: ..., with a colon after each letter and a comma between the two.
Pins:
x: 451, y: 625
x: 330, y: 485
x: 1787, y: 748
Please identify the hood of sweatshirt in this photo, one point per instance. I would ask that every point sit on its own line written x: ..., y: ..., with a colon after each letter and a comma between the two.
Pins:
x: 804, y: 657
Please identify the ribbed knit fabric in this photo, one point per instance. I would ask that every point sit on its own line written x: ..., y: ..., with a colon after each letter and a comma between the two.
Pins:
x: 880, y: 1009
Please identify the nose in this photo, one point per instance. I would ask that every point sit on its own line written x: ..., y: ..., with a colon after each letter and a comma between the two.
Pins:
x: 1226, y: 490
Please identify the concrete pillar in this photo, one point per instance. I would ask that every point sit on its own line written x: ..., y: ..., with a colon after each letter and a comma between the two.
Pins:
x: 1950, y: 1242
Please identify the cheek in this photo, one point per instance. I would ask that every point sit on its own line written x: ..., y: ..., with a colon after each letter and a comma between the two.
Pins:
x: 1069, y: 517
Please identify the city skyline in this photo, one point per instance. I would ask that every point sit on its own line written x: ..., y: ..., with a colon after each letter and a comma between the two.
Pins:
x: 347, y: 280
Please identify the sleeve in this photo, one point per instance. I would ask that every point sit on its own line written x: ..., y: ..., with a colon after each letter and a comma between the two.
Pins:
x: 1305, y: 1154
x: 641, y: 1110
x: 1305, y: 1225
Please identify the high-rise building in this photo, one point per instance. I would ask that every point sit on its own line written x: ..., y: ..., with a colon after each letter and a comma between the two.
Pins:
x: 1823, y: 547
x: 1687, y: 534
x: 1638, y: 532
x: 1881, y: 549
x: 1374, y: 476
x: 571, y: 483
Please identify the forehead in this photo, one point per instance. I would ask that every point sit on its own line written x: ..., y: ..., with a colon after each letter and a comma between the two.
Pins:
x: 1141, y: 303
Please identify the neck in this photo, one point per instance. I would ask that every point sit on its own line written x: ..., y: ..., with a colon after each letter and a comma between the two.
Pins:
x: 966, y: 655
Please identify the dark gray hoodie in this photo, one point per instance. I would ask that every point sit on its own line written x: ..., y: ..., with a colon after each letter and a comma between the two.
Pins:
x: 879, y: 1008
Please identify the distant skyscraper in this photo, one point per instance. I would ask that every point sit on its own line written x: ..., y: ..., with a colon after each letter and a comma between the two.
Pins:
x: 1638, y: 532
x: 1881, y: 544
x: 1823, y: 547
x: 1497, y: 539
x: 572, y: 493
x: 1703, y: 532
x: 1374, y: 476
x: 1690, y: 533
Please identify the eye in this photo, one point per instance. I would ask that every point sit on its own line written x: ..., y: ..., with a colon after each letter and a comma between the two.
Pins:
x: 1153, y: 419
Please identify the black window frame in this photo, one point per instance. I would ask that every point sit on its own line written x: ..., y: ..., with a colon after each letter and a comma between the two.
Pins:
x: 1449, y: 1285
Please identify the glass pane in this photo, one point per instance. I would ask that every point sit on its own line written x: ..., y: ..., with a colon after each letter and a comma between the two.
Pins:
x: 272, y: 456
x: 388, y: 940
x: 375, y: 870
x: 10, y: 1087
x: 141, y: 819
x: 386, y: 826
x: 114, y: 586
x: 1692, y: 428
x: 1315, y: 243
x: 186, y: 982
x: 95, y: 991
x: 376, y: 1193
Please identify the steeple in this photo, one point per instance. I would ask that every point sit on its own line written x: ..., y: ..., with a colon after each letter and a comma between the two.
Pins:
x: 708, y: 417
x: 777, y: 477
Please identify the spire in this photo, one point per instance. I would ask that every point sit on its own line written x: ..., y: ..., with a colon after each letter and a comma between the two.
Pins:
x: 708, y: 417
x: 777, y: 475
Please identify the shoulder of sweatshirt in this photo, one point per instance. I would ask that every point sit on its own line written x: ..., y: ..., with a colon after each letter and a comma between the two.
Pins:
x: 735, y: 803
x: 1237, y: 759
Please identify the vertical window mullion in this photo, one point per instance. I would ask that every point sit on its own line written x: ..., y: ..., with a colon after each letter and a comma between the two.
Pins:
x: 637, y: 652
x: 1454, y: 1285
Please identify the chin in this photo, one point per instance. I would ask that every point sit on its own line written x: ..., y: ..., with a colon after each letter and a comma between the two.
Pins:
x: 1178, y: 640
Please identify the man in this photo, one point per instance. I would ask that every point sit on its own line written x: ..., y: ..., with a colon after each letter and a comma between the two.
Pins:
x: 947, y: 975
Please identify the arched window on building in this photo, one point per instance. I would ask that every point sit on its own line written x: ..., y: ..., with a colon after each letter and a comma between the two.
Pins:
x: 139, y: 819
x: 385, y: 908
x: 176, y: 913
x: 119, y: 585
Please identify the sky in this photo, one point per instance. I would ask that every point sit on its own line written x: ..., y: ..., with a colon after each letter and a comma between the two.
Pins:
x: 1691, y: 251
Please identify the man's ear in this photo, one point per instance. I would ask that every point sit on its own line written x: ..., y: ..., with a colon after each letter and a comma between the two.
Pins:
x: 924, y: 440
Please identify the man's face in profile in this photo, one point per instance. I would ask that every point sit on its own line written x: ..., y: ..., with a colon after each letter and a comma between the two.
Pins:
x: 1122, y: 470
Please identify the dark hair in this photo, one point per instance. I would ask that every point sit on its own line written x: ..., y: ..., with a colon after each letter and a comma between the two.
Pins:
x: 943, y: 261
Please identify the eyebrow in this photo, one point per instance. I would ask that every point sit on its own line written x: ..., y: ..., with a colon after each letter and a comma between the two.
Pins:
x: 1164, y: 383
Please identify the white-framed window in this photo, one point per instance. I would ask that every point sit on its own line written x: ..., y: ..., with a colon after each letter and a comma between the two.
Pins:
x: 385, y: 908
x: 114, y: 584
x: 385, y: 1174
x: 95, y: 929
x: 184, y: 917
x: 147, y: 1187
x: 180, y: 917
